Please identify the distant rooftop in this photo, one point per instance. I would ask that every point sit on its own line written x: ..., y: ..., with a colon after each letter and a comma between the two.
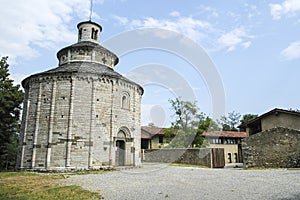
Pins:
x: 225, y: 134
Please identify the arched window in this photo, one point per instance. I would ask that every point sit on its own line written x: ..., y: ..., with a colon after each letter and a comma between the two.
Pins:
x: 94, y: 33
x: 80, y: 33
x: 125, y: 101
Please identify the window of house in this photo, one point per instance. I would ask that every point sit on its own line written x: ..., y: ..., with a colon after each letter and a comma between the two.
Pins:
x: 217, y: 141
x: 231, y: 141
x: 160, y: 139
x: 235, y: 157
x: 229, y: 158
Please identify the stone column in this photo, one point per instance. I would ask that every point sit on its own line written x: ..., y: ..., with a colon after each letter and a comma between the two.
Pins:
x: 37, y: 122
x: 50, y: 125
x: 70, y: 122
x: 92, y: 115
x: 111, y: 124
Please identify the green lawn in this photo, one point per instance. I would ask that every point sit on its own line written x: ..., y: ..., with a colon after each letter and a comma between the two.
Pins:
x: 24, y: 185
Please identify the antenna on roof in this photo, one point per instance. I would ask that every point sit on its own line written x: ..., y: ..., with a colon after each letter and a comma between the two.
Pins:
x: 91, y: 9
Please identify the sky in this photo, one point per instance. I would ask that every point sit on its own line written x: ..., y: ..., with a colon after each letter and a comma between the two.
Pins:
x: 241, y: 56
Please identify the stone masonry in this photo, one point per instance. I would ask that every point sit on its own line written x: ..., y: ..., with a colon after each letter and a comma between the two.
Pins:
x: 276, y: 147
x: 81, y: 114
x: 210, y: 157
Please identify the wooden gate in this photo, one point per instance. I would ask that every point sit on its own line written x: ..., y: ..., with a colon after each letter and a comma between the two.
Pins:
x: 217, y: 158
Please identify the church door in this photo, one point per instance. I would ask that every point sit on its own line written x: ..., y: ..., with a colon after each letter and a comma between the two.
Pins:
x: 120, y: 154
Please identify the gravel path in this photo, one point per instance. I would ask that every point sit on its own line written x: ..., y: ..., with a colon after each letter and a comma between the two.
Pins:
x: 159, y: 181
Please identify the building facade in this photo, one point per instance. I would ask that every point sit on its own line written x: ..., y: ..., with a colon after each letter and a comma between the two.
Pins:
x: 230, y: 141
x: 272, y: 119
x: 273, y: 141
x: 81, y: 114
x: 152, y: 137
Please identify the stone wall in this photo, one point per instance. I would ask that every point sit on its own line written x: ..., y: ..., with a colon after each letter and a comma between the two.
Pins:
x: 277, y: 147
x: 73, y: 120
x: 199, y: 156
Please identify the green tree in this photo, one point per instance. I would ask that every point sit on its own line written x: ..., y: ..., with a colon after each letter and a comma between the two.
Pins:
x: 11, y: 98
x: 205, y: 124
x: 246, y: 118
x: 186, y: 114
x: 230, y: 121
x: 190, y: 124
x: 169, y: 134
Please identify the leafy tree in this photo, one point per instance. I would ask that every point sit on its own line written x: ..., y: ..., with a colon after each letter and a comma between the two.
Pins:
x: 11, y: 98
x: 190, y: 124
x: 205, y: 124
x: 169, y: 134
x: 186, y: 113
x: 230, y: 121
x: 246, y: 118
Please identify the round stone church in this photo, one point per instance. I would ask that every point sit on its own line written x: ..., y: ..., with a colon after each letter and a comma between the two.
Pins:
x: 82, y: 114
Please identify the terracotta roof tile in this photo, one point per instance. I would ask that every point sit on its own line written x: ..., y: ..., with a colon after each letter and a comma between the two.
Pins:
x: 149, y: 131
x: 152, y: 130
x: 227, y: 134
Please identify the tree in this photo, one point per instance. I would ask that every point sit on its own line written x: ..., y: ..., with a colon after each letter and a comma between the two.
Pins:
x: 169, y: 134
x: 190, y: 124
x: 186, y: 113
x: 205, y: 124
x: 11, y: 98
x: 230, y: 121
x: 246, y: 118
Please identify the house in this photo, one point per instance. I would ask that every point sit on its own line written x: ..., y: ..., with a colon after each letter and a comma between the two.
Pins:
x: 274, y: 118
x: 273, y: 141
x: 230, y: 141
x: 152, y: 137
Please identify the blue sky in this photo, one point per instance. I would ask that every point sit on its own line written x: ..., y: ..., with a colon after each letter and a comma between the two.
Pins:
x: 254, y: 45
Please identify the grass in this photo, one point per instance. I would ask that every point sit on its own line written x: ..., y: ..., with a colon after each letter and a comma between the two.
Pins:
x: 33, y: 186
x: 263, y: 168
x: 188, y: 165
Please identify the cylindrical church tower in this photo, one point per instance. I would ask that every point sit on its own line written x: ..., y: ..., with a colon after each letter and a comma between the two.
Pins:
x: 81, y: 114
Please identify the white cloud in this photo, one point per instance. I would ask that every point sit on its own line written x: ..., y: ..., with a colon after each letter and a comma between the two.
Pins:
x: 246, y: 44
x: 198, y: 30
x: 234, y: 38
x: 192, y: 28
x: 175, y: 14
x: 292, y: 52
x: 288, y: 7
x: 33, y: 23
x: 122, y: 20
x: 211, y: 12
x: 18, y: 78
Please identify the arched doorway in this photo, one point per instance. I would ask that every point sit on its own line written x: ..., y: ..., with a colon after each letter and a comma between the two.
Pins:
x: 121, y: 148
x: 120, y: 154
